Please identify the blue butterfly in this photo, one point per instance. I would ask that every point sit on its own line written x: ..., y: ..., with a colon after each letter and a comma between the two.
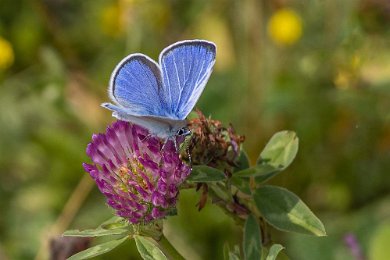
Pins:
x: 160, y: 96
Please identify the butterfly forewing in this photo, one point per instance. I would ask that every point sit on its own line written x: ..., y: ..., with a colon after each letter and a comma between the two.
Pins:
x: 186, y: 66
x: 136, y: 85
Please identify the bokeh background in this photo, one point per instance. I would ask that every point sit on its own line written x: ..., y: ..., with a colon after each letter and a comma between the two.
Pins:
x: 318, y: 67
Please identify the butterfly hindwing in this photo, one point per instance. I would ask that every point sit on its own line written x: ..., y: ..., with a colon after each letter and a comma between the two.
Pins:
x: 186, y: 67
x: 136, y: 86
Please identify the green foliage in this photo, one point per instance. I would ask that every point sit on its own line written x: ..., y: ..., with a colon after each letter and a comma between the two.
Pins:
x: 113, y: 226
x: 364, y: 224
x: 262, y: 170
x: 242, y: 184
x: 114, y: 223
x: 331, y: 87
x: 95, y: 232
x: 243, y: 161
x: 148, y: 249
x: 231, y: 254
x: 285, y: 211
x: 280, y: 151
x: 98, y: 249
x: 274, y: 251
x: 278, y: 206
x: 252, y: 239
x: 204, y: 173
x: 277, y: 155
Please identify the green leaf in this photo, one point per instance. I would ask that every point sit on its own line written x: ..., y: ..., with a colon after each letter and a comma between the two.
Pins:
x: 266, y: 177
x: 258, y: 170
x: 242, y: 184
x: 226, y: 251
x: 231, y: 255
x: 261, y: 173
x: 243, y: 161
x: 280, y: 151
x: 148, y: 249
x: 98, y: 249
x: 113, y: 219
x: 252, y: 239
x: 114, y: 223
x: 99, y: 232
x: 274, y: 251
x: 203, y: 173
x: 113, y: 226
x: 285, y: 211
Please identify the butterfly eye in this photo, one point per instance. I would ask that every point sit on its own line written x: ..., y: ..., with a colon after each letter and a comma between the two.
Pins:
x: 183, y: 131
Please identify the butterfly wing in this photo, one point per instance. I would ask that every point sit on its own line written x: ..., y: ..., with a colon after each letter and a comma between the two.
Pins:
x: 160, y: 97
x: 162, y: 127
x: 136, y: 87
x: 186, y: 67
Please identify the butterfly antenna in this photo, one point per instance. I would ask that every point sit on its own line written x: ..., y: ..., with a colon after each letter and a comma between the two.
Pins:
x: 189, y: 155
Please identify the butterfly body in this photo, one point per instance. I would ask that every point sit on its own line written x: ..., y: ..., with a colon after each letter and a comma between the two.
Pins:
x: 159, y: 96
x: 159, y: 126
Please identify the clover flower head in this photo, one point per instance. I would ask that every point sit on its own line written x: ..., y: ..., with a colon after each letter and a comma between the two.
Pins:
x: 139, y: 174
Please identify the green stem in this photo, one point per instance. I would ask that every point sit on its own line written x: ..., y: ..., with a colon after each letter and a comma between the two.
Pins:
x: 168, y: 249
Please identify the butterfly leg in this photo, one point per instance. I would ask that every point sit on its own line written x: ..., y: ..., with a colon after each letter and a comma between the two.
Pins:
x: 175, y: 143
x: 173, y: 138
x: 146, y: 137
x: 163, y: 146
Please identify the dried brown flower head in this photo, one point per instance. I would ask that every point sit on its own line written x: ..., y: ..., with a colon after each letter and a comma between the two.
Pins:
x: 213, y: 144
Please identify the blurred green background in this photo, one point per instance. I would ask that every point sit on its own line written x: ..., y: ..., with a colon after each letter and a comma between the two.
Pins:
x: 318, y: 67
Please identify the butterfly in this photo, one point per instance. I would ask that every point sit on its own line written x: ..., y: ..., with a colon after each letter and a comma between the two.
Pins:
x: 159, y: 96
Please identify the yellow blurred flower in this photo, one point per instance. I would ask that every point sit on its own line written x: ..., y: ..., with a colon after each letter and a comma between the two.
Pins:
x: 285, y: 27
x: 6, y: 54
x: 349, y: 72
x: 213, y: 28
x: 111, y: 20
x: 356, y: 61
x: 342, y: 80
